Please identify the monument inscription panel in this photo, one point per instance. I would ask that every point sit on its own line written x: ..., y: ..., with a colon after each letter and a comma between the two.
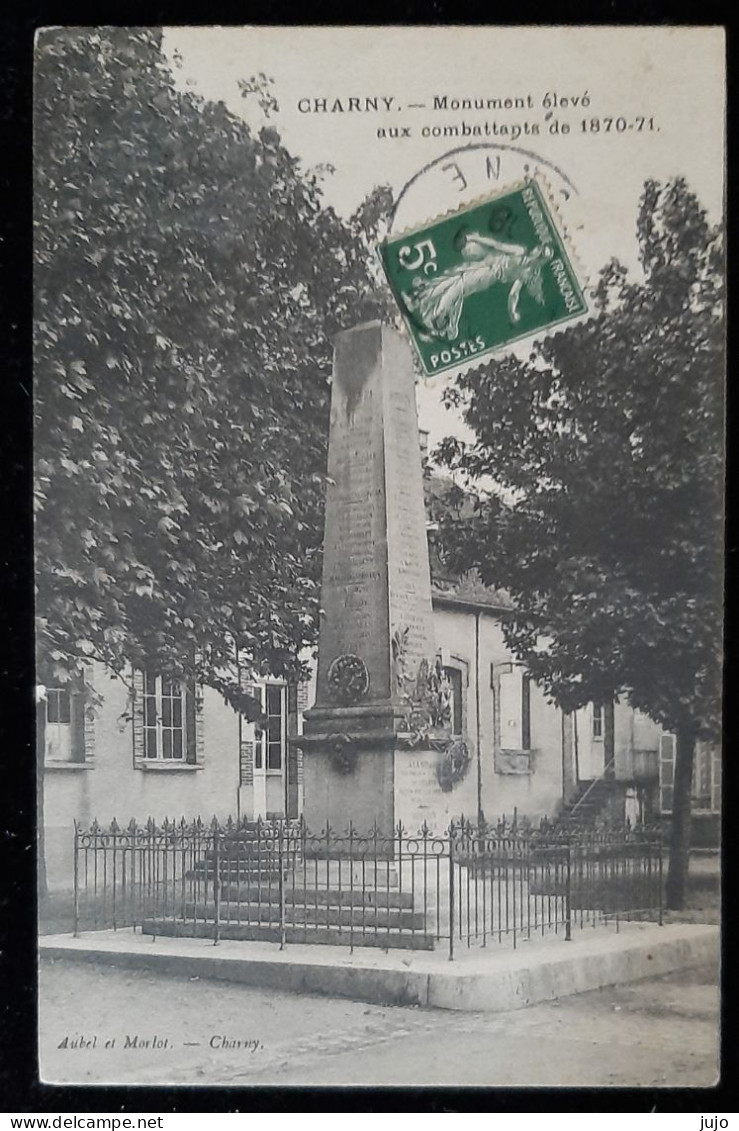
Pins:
x: 375, y: 571
x: 418, y: 795
x: 409, y: 582
x: 353, y: 597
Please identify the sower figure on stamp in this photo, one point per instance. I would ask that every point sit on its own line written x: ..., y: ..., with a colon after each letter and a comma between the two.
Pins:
x: 437, y: 302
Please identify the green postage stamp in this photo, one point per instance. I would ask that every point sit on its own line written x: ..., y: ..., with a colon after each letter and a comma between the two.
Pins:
x: 482, y: 278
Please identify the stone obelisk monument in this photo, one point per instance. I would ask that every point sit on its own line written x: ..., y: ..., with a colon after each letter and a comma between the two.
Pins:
x: 376, y: 623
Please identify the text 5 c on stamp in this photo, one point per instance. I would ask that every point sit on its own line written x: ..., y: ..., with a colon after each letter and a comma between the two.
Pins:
x: 486, y: 276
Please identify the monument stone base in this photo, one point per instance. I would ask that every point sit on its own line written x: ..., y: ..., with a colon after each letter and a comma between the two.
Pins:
x: 381, y: 785
x: 362, y: 795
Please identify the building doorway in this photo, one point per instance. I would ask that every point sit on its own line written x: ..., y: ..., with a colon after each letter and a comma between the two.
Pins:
x: 270, y: 753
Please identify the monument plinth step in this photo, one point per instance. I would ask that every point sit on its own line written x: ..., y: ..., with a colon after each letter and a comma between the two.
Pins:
x: 340, y: 935
x: 334, y: 897
x: 297, y: 914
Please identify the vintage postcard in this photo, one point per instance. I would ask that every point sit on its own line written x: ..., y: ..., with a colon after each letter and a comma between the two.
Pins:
x: 379, y: 385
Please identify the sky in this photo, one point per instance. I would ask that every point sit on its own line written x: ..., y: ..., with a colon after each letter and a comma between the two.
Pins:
x: 595, y: 111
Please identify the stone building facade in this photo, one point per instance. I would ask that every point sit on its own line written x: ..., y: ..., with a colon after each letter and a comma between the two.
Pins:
x: 172, y: 751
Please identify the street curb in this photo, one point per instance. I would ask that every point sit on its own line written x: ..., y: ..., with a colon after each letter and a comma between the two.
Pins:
x: 566, y: 974
x: 494, y: 981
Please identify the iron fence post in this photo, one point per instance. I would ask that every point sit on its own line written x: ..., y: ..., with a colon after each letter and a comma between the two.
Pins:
x: 568, y: 893
x: 660, y: 894
x: 281, y: 860
x: 451, y: 892
x: 216, y: 886
x: 114, y: 834
x: 76, y: 926
x: 351, y: 887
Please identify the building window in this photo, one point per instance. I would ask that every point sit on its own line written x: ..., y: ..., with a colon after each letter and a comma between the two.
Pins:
x: 514, y: 707
x: 58, y: 705
x: 58, y: 745
x: 66, y: 724
x: 454, y: 678
x: 165, y: 734
x: 270, y: 748
x: 167, y: 717
x: 598, y: 720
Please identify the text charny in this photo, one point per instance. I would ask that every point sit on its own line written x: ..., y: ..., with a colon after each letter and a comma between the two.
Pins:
x: 376, y: 104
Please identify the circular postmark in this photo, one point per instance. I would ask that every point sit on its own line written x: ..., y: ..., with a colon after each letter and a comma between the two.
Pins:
x: 464, y: 174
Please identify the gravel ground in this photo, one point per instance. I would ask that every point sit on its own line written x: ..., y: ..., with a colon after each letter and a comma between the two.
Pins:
x: 659, y: 1032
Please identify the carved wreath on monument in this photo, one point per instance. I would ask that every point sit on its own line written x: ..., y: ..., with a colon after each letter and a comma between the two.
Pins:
x: 427, y: 693
x: 453, y: 764
x: 348, y: 678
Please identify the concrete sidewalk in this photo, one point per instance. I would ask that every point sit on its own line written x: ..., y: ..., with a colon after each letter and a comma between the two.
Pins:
x: 493, y: 979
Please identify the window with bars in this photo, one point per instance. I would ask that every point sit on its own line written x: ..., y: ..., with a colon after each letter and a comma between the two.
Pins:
x: 165, y: 733
x: 598, y: 723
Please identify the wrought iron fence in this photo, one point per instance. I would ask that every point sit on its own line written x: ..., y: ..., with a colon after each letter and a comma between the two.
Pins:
x: 471, y: 885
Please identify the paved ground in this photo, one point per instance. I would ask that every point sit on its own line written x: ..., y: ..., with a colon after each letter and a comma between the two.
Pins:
x: 661, y: 1032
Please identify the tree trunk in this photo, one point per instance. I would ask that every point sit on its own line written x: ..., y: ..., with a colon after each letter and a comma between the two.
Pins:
x: 609, y: 740
x: 569, y: 758
x: 43, y: 889
x: 677, y: 874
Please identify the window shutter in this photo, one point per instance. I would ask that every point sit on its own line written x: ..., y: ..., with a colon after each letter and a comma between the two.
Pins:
x: 88, y: 737
x: 246, y: 753
x: 82, y: 720
x: 525, y: 711
x: 246, y: 762
x: 292, y: 707
x: 77, y: 722
x: 137, y: 712
x: 666, y: 771
x: 194, y: 730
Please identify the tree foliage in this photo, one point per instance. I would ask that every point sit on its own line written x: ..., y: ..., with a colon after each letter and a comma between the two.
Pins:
x: 188, y: 282
x: 605, y: 446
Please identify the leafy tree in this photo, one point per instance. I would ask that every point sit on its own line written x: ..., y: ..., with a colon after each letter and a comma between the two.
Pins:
x: 188, y: 283
x: 605, y: 450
